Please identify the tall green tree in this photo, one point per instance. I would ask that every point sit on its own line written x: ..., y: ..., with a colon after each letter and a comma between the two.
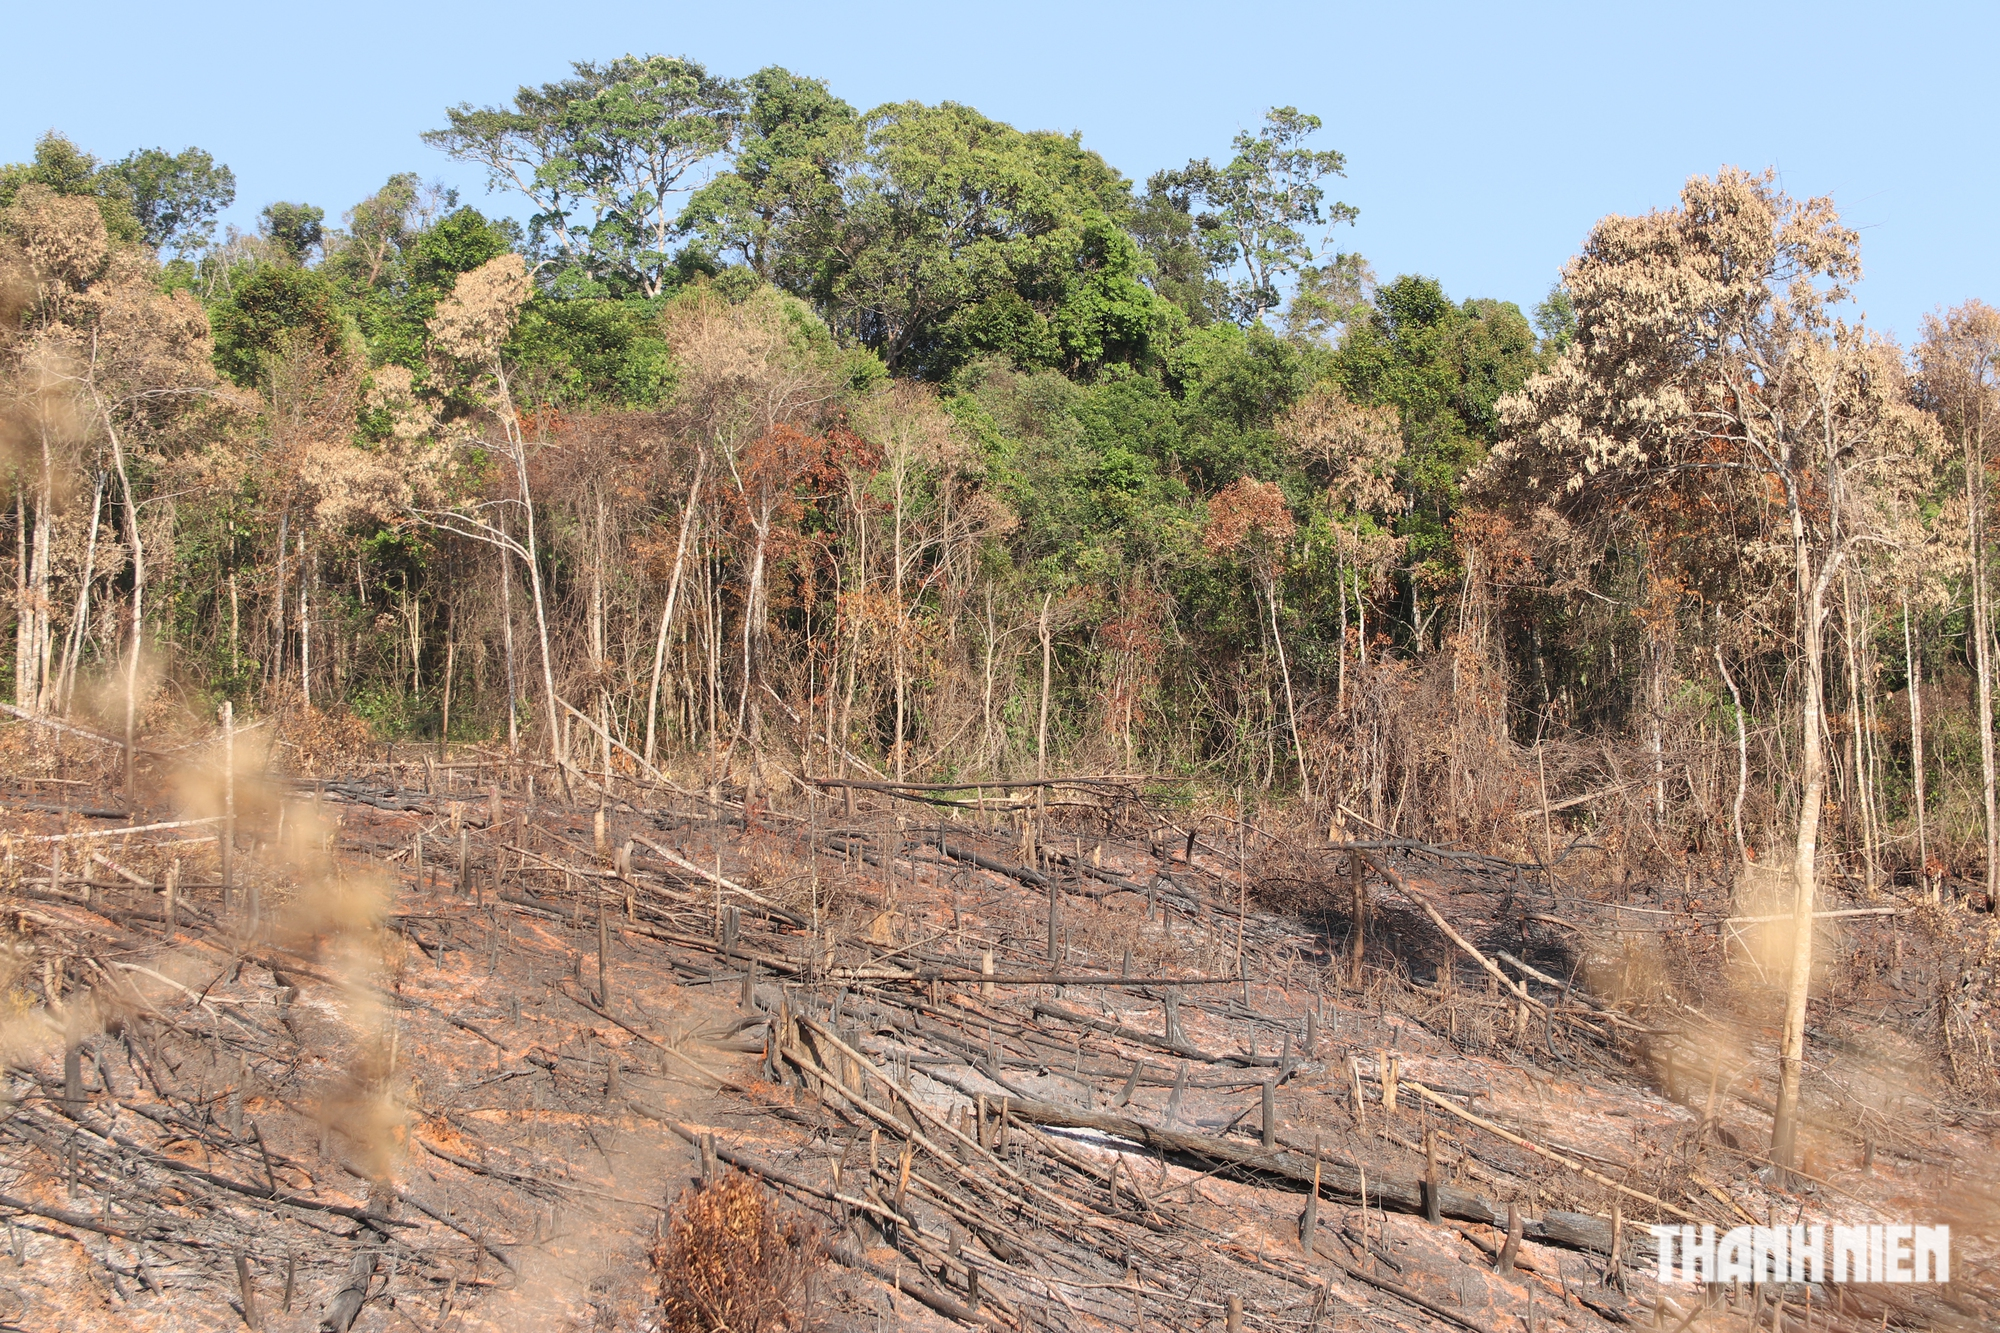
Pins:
x: 774, y: 208
x: 1443, y: 366
x: 265, y: 312
x: 296, y: 230
x: 1261, y: 206
x: 949, y: 235
x: 602, y: 157
x: 378, y: 230
x: 1185, y: 249
x: 174, y: 196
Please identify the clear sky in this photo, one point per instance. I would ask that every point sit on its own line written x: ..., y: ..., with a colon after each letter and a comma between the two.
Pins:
x: 1482, y: 140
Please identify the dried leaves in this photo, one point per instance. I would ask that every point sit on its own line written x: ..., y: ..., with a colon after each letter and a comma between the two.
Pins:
x: 62, y: 237
x: 472, y: 322
x: 311, y: 460
x: 729, y: 1261
x: 1353, y: 449
x: 1244, y: 511
x: 1708, y: 391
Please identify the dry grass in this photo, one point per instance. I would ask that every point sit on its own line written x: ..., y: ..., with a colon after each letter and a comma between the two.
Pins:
x: 731, y: 1261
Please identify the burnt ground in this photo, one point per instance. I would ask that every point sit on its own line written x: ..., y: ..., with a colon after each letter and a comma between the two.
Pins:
x: 457, y: 1066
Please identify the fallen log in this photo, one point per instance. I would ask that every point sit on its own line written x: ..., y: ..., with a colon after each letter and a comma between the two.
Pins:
x: 1337, y: 1179
x: 1444, y: 1103
x: 847, y: 1256
x: 1295, y: 1167
x: 1402, y: 886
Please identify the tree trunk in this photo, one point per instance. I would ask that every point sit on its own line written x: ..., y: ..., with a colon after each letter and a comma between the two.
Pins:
x: 1042, y: 725
x: 986, y: 734
x: 510, y: 423
x: 1982, y: 656
x: 1812, y: 781
x: 507, y: 647
x: 1340, y: 677
x: 1856, y: 706
x: 598, y: 655
x: 749, y: 712
x: 274, y: 667
x: 138, y: 610
x: 39, y: 590
x: 896, y: 559
x: 853, y: 683
x: 667, y: 610
x: 1656, y: 708
x: 1291, y: 708
x: 1360, y: 623
x: 305, y: 627
x: 541, y: 613
x: 80, y: 619
x: 1742, y: 757
x: 450, y: 665
x: 1913, y: 676
x: 712, y: 610
x: 23, y: 635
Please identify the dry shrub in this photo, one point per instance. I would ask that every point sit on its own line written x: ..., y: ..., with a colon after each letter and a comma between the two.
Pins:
x: 321, y: 741
x: 731, y: 1261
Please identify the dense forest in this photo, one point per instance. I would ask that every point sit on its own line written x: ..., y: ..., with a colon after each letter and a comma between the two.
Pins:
x: 787, y: 437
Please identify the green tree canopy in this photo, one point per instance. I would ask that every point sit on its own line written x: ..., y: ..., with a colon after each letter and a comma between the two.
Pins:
x: 272, y: 304
x: 936, y: 235
x: 174, y: 196
x: 1443, y: 366
x: 601, y: 156
x: 1261, y: 205
x: 295, y: 229
x: 797, y: 143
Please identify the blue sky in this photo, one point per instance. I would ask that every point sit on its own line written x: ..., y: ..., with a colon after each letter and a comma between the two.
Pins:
x: 1482, y: 141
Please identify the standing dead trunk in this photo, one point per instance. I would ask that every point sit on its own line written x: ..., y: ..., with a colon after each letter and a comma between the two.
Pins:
x: 1914, y: 679
x: 1360, y: 623
x: 1742, y: 757
x: 1285, y: 670
x: 750, y: 707
x: 80, y: 618
x: 305, y: 627
x: 507, y: 647
x: 986, y: 734
x: 1042, y: 723
x: 712, y: 612
x: 534, y: 563
x: 1852, y: 620
x: 1357, y: 883
x: 138, y: 624
x: 275, y: 626
x: 1981, y: 630
x: 602, y: 704
x: 23, y: 632
x: 853, y: 668
x: 450, y: 666
x: 35, y: 667
x: 1812, y: 795
x: 897, y: 471
x: 31, y: 631
x: 1340, y: 657
x: 667, y: 609
x: 833, y: 761
x: 1656, y: 709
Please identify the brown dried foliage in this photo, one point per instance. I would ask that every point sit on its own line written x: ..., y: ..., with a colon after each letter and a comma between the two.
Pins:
x: 731, y: 1261
x: 1352, y: 449
x: 1244, y: 509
